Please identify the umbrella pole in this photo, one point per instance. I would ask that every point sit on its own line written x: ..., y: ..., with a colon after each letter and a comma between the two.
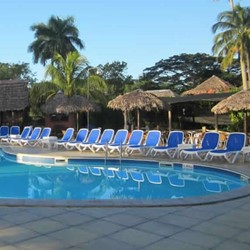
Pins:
x: 216, y: 122
x: 169, y: 120
x: 125, y: 119
x: 138, y: 119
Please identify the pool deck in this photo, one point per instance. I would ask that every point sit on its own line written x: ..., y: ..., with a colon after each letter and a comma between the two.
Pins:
x: 219, y: 225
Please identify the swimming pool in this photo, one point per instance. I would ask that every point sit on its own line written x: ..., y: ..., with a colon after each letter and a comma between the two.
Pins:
x: 113, y: 180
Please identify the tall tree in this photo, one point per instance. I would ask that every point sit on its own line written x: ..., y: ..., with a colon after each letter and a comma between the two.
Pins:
x: 185, y: 71
x: 234, y: 40
x: 115, y: 76
x: 67, y: 73
x: 58, y: 35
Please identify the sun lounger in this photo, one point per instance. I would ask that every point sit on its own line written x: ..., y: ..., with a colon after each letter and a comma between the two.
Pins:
x: 105, y: 139
x: 45, y: 133
x: 24, y: 135
x: 4, y: 132
x: 152, y: 139
x: 80, y: 137
x: 66, y: 137
x: 171, y: 147
x: 119, y: 140
x: 234, y: 146
x: 134, y: 139
x: 93, y: 137
x: 209, y: 142
x: 33, y: 137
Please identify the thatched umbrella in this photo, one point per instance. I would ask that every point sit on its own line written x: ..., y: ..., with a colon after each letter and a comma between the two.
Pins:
x: 60, y: 103
x: 212, y: 85
x: 239, y: 101
x: 135, y: 100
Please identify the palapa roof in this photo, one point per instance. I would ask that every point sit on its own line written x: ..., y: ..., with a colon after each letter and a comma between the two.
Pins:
x: 14, y: 95
x: 60, y: 103
x: 212, y: 85
x: 239, y: 101
x: 136, y: 99
x: 163, y: 93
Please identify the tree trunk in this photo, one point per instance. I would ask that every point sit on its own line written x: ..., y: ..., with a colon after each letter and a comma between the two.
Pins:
x: 243, y: 73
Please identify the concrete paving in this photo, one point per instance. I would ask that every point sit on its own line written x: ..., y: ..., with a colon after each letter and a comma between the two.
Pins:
x: 220, y: 225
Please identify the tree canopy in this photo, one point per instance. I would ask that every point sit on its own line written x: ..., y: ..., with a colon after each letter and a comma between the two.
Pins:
x: 58, y: 35
x: 185, y: 71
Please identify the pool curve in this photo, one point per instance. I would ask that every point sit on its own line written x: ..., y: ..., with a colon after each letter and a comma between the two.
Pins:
x: 52, y: 159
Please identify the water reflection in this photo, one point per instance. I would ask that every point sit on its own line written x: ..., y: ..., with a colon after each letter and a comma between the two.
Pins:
x: 81, y: 182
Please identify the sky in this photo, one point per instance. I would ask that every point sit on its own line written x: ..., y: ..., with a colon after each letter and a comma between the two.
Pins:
x: 138, y: 32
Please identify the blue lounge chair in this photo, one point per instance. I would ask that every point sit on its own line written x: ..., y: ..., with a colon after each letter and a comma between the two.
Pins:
x: 46, y: 131
x: 24, y: 135
x: 80, y: 137
x: 234, y: 146
x: 209, y: 142
x: 119, y: 140
x: 33, y: 137
x: 171, y: 147
x: 152, y: 140
x: 66, y: 137
x: 4, y: 132
x: 13, y: 133
x: 105, y: 139
x: 15, y: 130
x: 134, y: 139
x: 93, y: 137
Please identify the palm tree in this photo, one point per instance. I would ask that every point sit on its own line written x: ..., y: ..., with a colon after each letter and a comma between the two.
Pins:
x: 234, y: 39
x: 59, y: 35
x: 67, y: 73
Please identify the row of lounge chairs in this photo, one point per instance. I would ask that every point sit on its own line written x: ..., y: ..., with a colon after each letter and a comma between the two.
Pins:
x: 120, y: 141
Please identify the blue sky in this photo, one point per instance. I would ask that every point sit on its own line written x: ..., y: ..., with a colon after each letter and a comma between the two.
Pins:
x: 139, y: 32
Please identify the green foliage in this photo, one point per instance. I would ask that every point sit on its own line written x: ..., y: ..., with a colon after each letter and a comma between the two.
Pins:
x: 234, y: 39
x: 185, y: 71
x: 67, y: 72
x: 58, y: 35
x: 16, y: 71
x: 115, y: 76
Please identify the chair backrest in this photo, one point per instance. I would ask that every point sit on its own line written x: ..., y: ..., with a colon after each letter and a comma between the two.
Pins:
x: 14, y: 130
x: 235, y: 141
x: 68, y: 134
x: 45, y: 132
x: 136, y: 137
x: 4, y: 131
x: 35, y: 133
x: 153, y: 138
x: 107, y: 136
x: 94, y: 135
x: 210, y: 140
x: 120, y: 136
x: 175, y: 138
x: 82, y: 135
x: 26, y: 132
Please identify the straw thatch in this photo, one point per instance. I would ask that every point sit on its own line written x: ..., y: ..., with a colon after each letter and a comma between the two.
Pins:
x: 63, y: 104
x: 239, y: 101
x: 212, y: 85
x: 163, y: 93
x: 13, y: 95
x: 135, y: 100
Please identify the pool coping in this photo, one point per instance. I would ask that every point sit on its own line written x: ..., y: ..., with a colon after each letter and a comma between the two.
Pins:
x: 191, y: 201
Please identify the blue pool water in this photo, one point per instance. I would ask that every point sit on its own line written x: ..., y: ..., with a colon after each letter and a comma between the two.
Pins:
x: 111, y: 180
